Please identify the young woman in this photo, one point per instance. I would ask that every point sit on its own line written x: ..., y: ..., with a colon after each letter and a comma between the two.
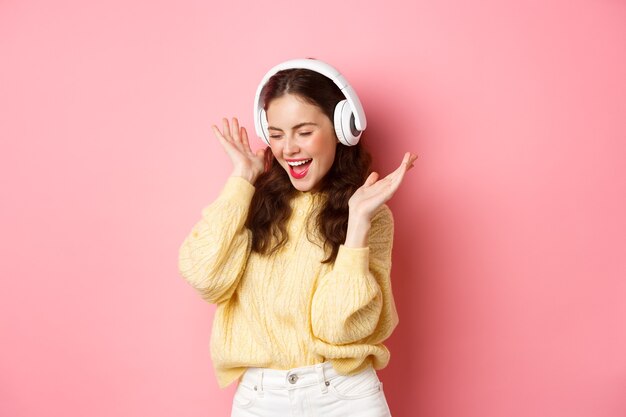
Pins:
x: 296, y: 253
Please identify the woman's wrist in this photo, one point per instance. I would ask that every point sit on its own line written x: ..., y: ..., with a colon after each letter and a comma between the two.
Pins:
x: 248, y: 176
x: 358, y: 231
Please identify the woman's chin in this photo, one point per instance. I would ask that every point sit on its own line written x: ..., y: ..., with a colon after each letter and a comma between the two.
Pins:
x: 300, y: 185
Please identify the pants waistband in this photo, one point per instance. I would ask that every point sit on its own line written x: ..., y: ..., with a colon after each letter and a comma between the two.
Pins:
x: 261, y: 379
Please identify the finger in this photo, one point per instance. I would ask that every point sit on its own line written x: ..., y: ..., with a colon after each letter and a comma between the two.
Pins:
x: 235, y: 131
x: 371, y: 179
x: 244, y: 139
x: 393, y: 180
x: 217, y: 132
x: 226, y: 128
x: 396, y: 177
x: 224, y: 142
x: 384, y: 188
x: 406, y: 160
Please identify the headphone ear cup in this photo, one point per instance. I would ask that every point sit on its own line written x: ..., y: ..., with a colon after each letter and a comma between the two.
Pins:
x: 345, y: 128
x: 264, y: 126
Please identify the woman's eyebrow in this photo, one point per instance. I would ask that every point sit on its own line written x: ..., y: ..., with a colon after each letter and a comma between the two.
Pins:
x: 299, y: 125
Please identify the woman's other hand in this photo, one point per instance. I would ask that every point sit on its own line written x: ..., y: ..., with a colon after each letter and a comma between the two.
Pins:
x: 369, y: 197
x: 374, y: 192
x: 246, y: 164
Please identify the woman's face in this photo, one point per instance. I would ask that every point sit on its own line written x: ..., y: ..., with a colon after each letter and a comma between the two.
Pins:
x: 302, y: 139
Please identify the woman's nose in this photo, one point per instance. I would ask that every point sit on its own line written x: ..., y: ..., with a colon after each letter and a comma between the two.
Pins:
x: 291, y: 145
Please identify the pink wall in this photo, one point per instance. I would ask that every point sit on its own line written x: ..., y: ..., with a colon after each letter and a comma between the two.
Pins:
x: 510, y: 254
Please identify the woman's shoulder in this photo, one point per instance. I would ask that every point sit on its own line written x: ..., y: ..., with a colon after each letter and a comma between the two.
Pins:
x: 382, y: 223
x: 383, y: 214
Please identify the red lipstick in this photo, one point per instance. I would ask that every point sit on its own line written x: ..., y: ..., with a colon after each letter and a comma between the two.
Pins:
x: 300, y: 173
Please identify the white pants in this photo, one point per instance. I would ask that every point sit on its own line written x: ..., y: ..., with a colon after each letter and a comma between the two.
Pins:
x: 309, y: 391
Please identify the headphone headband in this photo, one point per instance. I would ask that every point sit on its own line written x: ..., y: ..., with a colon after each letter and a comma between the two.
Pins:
x: 353, y: 115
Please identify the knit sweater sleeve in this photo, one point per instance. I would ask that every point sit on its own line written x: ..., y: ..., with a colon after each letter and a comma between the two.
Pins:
x: 354, y: 301
x: 213, y: 256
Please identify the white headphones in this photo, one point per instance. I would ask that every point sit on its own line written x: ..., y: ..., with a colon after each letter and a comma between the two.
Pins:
x: 349, y: 117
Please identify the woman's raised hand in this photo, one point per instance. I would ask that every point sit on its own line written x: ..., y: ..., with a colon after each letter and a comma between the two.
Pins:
x: 373, y: 193
x: 246, y: 164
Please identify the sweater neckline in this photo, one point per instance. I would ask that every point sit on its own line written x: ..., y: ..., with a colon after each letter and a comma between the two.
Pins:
x: 307, y: 198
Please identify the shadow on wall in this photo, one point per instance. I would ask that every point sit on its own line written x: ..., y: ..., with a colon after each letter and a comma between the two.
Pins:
x: 389, y: 135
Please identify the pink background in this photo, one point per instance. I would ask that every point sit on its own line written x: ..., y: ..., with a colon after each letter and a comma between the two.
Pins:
x: 510, y: 252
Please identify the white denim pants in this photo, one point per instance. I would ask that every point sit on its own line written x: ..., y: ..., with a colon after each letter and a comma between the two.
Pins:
x: 309, y: 391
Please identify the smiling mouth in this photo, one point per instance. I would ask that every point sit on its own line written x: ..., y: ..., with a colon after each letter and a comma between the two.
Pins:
x: 299, y: 169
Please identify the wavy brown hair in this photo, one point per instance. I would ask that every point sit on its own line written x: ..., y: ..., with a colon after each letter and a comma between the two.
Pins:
x: 270, y: 209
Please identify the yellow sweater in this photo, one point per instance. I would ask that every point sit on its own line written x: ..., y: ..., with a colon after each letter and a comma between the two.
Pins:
x: 289, y: 310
